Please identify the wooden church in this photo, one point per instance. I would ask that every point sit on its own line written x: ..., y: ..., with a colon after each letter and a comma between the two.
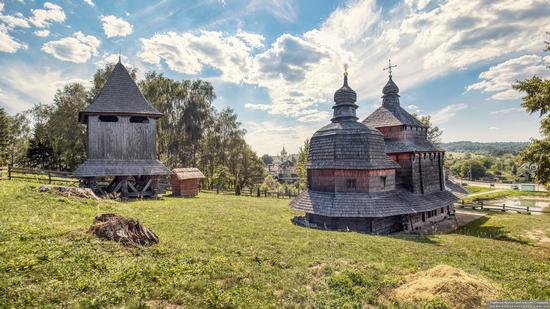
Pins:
x: 378, y: 176
x: 121, y: 140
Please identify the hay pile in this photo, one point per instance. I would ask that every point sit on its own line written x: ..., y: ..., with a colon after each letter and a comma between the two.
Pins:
x: 70, y: 191
x: 455, y: 287
x: 127, y: 231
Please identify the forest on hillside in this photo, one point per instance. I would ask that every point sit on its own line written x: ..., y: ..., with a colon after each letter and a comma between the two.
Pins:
x: 493, y: 148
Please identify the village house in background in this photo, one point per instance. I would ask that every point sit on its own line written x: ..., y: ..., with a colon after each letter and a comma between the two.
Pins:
x: 283, y: 167
x: 379, y: 176
x: 121, y: 140
x: 185, y: 181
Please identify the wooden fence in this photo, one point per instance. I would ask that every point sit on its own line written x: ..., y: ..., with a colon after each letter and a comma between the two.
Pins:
x: 502, y: 207
x: 254, y: 193
x: 36, y: 175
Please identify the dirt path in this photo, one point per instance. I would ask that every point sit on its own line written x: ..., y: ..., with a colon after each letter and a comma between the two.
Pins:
x: 486, y: 192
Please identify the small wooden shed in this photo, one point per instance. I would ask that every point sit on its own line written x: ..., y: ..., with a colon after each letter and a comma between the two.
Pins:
x: 185, y: 181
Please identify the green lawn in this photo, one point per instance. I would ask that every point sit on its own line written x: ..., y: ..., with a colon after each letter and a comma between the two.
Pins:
x: 226, y: 251
x: 490, y: 195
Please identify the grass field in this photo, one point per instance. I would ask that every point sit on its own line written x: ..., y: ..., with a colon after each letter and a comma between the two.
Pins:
x: 498, y: 194
x: 226, y: 251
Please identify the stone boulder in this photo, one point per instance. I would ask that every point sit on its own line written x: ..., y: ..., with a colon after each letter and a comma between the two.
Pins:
x: 127, y: 231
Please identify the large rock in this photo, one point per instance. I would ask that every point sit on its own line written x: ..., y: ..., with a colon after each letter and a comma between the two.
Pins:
x: 124, y: 230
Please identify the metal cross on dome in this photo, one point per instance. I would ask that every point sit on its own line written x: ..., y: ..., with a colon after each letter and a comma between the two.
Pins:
x: 390, y: 66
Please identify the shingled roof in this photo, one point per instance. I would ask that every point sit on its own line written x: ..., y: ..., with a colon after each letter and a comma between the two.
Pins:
x: 120, y: 95
x: 188, y: 173
x: 104, y: 167
x: 379, y: 204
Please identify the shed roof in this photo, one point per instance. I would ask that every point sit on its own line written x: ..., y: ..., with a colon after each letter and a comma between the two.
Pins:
x: 187, y: 173
x: 120, y: 95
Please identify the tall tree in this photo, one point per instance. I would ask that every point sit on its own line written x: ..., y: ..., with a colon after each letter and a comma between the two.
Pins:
x: 19, y: 134
x: 301, y: 164
x: 537, y: 100
x: 68, y: 135
x: 434, y: 132
x: 5, y: 123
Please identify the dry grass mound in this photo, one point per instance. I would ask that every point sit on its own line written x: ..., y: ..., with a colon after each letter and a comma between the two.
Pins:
x: 127, y: 231
x: 70, y: 191
x: 453, y: 286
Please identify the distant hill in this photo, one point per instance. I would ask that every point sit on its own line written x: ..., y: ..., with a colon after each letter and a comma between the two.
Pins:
x: 496, y: 148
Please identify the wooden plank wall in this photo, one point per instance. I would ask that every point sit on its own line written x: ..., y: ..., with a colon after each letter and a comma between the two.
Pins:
x: 121, y: 140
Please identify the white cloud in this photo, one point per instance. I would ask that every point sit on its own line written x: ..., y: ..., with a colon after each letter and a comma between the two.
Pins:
x: 427, y: 39
x: 42, y: 18
x: 25, y: 84
x: 278, y: 135
x: 446, y: 113
x: 507, y: 111
x: 282, y: 9
x: 494, y: 128
x: 115, y: 26
x: 42, y: 33
x: 253, y: 39
x: 190, y: 53
x: 89, y: 2
x: 79, y: 48
x: 14, y: 21
x: 111, y: 58
x: 1, y: 6
x: 499, y: 78
x: 7, y: 43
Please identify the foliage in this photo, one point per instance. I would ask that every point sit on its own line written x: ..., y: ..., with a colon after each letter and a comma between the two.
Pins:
x: 14, y: 136
x: 301, y: 164
x: 240, y: 252
x: 494, y: 148
x: 5, y: 124
x: 472, y: 169
x: 434, y: 132
x: 270, y: 184
x: 537, y: 100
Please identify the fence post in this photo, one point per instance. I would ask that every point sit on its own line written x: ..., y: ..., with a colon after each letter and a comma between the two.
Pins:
x: 49, y: 178
x: 503, y: 207
x: 9, y: 172
x: 481, y: 205
x: 462, y: 206
x: 528, y: 210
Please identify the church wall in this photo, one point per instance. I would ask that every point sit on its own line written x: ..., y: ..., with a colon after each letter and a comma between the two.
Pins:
x: 403, y: 132
x: 365, y: 180
x: 403, y: 175
x: 121, y: 140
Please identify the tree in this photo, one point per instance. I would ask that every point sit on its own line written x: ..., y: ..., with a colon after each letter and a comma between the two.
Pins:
x: 267, y: 159
x: 18, y: 139
x: 5, y: 123
x: 537, y: 100
x: 434, y: 132
x: 301, y: 164
x: 68, y: 135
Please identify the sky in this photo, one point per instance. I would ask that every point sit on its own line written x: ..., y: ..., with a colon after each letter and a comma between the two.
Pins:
x: 278, y: 63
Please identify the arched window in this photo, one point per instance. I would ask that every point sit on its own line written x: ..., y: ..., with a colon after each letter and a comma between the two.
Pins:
x: 139, y: 119
x: 105, y: 118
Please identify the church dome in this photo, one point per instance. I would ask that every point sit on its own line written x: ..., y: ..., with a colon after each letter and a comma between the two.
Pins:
x: 345, y: 94
x: 390, y: 88
x: 346, y: 143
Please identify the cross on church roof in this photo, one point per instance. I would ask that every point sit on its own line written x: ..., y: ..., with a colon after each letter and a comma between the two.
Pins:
x: 390, y: 66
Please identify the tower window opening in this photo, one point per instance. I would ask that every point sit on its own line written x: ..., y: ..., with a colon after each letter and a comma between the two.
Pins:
x: 139, y: 119
x: 383, y: 179
x: 105, y: 118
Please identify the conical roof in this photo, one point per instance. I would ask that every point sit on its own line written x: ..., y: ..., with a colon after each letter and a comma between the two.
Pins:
x: 120, y: 95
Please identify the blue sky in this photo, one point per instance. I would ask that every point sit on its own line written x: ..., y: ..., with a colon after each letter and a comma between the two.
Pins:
x: 278, y: 62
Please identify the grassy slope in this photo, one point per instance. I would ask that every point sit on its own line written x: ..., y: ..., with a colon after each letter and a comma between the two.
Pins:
x: 498, y: 194
x: 239, y: 251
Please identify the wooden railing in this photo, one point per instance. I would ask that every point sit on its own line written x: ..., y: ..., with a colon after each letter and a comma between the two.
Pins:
x: 254, y: 193
x: 37, y: 175
x: 502, y: 207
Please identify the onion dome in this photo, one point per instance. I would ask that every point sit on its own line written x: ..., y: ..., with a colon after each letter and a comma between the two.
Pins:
x: 390, y: 88
x: 345, y: 97
x: 346, y: 143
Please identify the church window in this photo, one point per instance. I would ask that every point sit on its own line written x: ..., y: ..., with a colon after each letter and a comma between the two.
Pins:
x: 351, y: 184
x: 383, y: 179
